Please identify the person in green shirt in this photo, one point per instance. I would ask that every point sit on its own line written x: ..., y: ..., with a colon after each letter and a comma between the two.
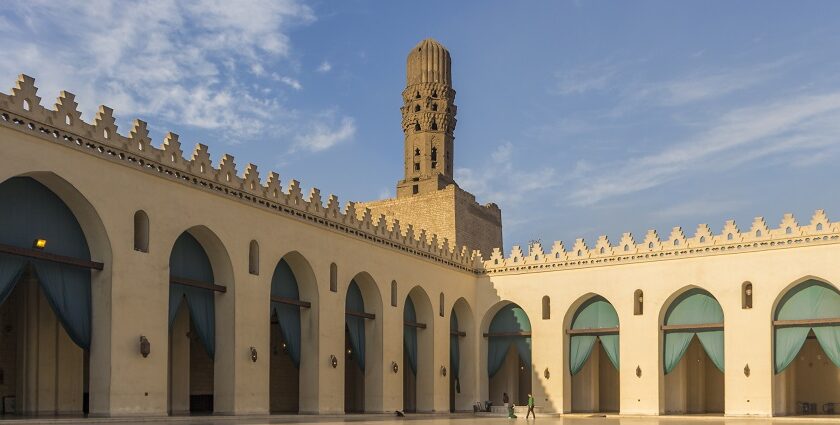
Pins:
x: 530, y: 407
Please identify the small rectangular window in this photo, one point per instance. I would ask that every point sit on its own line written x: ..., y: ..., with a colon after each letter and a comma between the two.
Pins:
x: 415, y: 189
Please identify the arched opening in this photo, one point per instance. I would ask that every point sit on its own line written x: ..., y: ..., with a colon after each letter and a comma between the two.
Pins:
x: 462, y: 367
x: 693, y: 354
x: 141, y: 231
x: 746, y: 295
x: 46, y: 301
x: 638, y: 302
x: 196, y: 262
x: 509, y: 357
x: 594, y: 357
x: 291, y: 366
x: 363, y: 339
x: 806, y: 350
x: 418, y: 352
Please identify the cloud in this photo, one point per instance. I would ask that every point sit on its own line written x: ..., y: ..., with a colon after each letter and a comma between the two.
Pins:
x: 324, y: 67
x: 322, y: 135
x: 289, y: 81
x: 584, y: 79
x: 795, y: 125
x: 183, y: 62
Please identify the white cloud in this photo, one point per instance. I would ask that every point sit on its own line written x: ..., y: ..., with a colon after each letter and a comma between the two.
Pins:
x: 796, y: 125
x: 324, y: 67
x: 185, y: 62
x: 584, y: 79
x: 289, y: 81
x: 322, y: 135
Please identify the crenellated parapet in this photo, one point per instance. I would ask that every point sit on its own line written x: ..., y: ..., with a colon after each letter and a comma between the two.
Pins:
x: 62, y: 125
x: 730, y: 240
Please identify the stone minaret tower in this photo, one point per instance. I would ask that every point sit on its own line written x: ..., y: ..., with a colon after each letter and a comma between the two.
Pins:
x: 428, y: 120
x: 428, y: 198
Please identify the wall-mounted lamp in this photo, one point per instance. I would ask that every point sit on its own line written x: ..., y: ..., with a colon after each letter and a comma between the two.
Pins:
x: 546, y: 373
x: 443, y: 371
x: 253, y: 354
x: 747, y: 370
x: 333, y: 361
x: 638, y: 372
x: 39, y: 244
x: 395, y: 367
x: 145, y: 346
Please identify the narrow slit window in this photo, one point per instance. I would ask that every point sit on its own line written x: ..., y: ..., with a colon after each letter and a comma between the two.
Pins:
x: 546, y: 307
x: 441, y: 305
x: 638, y: 302
x: 254, y: 258
x: 333, y: 277
x: 746, y: 295
x: 141, y: 231
x: 393, y: 293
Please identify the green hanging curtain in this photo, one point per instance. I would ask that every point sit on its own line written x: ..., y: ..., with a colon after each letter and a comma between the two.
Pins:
x: 809, y: 300
x: 29, y: 211
x: 284, y: 284
x: 595, y: 313
x: 189, y: 260
x: 454, y: 351
x: 410, y: 335
x: 511, y: 318
x: 356, y: 325
x: 694, y: 307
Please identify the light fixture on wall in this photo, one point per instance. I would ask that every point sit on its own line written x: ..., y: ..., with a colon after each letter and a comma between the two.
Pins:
x: 333, y: 361
x: 747, y: 370
x: 145, y: 346
x: 253, y: 354
x: 638, y: 372
x: 443, y: 371
x: 39, y: 243
x: 395, y: 367
x: 547, y: 374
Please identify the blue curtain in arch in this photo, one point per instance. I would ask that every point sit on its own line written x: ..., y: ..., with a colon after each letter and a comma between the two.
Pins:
x: 284, y: 284
x: 595, y: 313
x: 356, y: 325
x: 454, y: 351
x: 189, y: 260
x: 694, y: 307
x: 30, y: 211
x: 410, y: 335
x: 811, y: 299
x: 511, y: 318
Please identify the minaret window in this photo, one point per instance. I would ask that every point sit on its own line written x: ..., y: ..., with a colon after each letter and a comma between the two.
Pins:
x: 416, y: 151
x: 434, y: 106
x: 434, y: 154
x: 416, y: 166
x: 434, y: 125
x: 434, y: 94
x: 417, y: 108
x: 417, y: 96
x: 416, y: 126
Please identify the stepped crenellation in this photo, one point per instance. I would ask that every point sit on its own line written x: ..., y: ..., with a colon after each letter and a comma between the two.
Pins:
x: 759, y: 237
x: 64, y: 125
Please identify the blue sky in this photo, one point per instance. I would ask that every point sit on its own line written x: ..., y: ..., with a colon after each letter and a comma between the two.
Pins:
x: 577, y: 118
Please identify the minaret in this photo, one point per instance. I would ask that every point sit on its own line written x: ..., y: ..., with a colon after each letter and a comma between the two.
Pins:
x: 428, y: 120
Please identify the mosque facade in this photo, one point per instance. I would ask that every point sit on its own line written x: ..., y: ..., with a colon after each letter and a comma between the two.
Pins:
x: 137, y: 280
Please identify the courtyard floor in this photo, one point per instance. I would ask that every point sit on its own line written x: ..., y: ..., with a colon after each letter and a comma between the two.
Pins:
x: 456, y: 419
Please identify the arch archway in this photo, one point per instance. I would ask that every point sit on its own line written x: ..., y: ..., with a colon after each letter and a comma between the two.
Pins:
x: 592, y: 329
x: 692, y: 353
x: 508, y: 335
x: 200, y: 317
x: 806, y: 348
x: 462, y: 366
x: 293, y: 334
x: 48, y: 304
x: 418, y: 352
x: 363, y: 346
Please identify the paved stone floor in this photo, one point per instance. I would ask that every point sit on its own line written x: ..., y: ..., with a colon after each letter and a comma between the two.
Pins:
x: 465, y: 419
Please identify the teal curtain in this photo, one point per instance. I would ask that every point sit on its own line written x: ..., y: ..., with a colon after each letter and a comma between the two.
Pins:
x: 30, y: 211
x: 580, y: 347
x: 595, y: 313
x: 511, y: 318
x: 284, y: 284
x: 454, y: 351
x: 410, y: 335
x: 356, y: 325
x: 189, y: 260
x: 694, y: 307
x: 811, y: 299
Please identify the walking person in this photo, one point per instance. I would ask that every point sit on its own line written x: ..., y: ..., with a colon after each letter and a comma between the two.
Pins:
x: 530, y: 407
